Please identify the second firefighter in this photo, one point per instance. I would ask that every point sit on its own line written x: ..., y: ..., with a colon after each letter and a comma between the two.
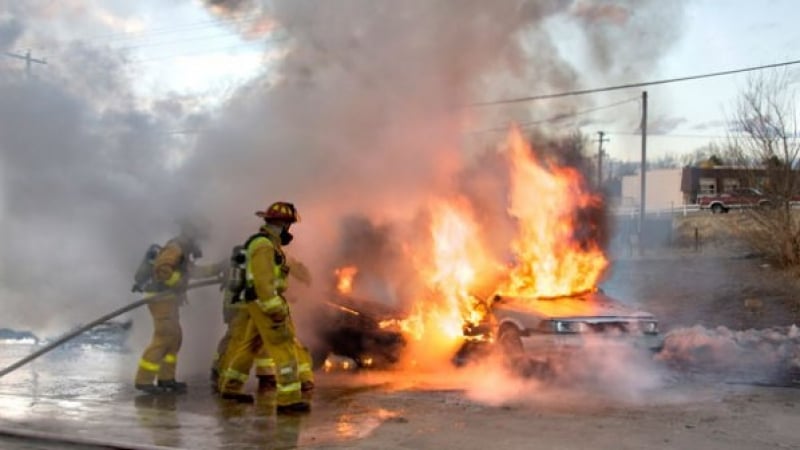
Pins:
x: 266, y: 334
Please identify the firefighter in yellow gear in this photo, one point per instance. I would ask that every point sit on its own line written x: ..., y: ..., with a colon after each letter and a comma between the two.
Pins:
x: 267, y: 336
x: 172, y: 269
x: 235, y: 317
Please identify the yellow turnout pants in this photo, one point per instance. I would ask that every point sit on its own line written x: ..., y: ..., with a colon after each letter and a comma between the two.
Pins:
x: 234, y: 317
x: 274, y: 349
x: 161, y: 356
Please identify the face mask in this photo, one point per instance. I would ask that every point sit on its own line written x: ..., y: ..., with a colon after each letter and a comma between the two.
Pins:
x: 194, y: 251
x: 286, y: 237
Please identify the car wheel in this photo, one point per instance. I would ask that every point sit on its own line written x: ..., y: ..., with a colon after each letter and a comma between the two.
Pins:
x: 510, y: 341
x: 318, y: 356
x: 716, y: 208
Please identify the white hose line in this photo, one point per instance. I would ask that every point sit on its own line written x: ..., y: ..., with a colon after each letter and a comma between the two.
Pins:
x: 75, y: 440
x: 60, y: 341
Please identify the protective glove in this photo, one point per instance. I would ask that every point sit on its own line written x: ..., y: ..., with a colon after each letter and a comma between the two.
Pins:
x: 276, y: 308
x: 300, y: 272
x: 174, y: 280
x: 136, y: 288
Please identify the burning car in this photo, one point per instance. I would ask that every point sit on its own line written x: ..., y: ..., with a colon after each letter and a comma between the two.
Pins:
x: 545, y: 329
x: 546, y: 325
x: 543, y: 253
x: 353, y: 329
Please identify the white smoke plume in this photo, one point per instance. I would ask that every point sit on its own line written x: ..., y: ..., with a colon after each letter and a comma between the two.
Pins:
x: 765, y: 355
x: 84, y: 184
x: 365, y: 116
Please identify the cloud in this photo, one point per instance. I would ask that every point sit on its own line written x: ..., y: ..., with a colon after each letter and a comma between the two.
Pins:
x: 710, y: 125
x: 664, y: 125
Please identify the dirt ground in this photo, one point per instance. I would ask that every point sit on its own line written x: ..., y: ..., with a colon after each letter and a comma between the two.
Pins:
x: 719, y: 283
x: 692, y: 416
x: 618, y: 401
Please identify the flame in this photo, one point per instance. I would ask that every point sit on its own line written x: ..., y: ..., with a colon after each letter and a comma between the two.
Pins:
x: 552, y: 257
x: 344, y: 277
x: 452, y: 266
x: 458, y: 261
x: 555, y: 255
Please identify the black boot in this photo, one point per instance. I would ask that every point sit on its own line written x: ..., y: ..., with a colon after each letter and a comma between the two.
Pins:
x: 266, y: 383
x: 173, y: 386
x: 238, y: 397
x: 213, y: 378
x: 149, y: 388
x: 299, y: 407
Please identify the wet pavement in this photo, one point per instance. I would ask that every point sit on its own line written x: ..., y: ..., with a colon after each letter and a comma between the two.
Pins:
x: 73, y: 398
x: 81, y: 397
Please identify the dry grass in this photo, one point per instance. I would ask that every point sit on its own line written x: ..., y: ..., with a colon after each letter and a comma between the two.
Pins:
x: 771, y: 237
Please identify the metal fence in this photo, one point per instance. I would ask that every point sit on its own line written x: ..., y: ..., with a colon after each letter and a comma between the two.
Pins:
x: 632, y: 212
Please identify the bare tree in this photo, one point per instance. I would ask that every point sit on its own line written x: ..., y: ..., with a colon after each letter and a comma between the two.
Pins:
x: 766, y: 116
x: 666, y: 161
x: 711, y: 154
x: 766, y: 142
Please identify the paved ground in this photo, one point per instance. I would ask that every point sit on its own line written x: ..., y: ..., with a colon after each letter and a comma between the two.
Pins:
x: 618, y: 401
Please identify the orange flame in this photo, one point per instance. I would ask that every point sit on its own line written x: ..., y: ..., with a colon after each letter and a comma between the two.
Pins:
x: 456, y: 263
x: 344, y: 277
x: 551, y: 258
x: 458, y: 259
x: 554, y: 255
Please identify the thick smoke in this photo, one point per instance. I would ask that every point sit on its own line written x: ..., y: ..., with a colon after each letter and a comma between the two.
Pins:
x: 84, y: 186
x: 365, y: 116
x: 10, y: 29
x: 626, y: 37
x: 375, y: 252
x: 766, y: 356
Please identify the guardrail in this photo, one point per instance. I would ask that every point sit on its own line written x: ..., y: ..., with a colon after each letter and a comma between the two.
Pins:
x: 683, y: 210
x: 657, y: 212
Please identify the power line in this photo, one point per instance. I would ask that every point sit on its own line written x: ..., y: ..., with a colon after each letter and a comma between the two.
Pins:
x: 558, y: 117
x: 631, y: 85
x: 145, y: 34
x: 201, y: 53
x: 240, y: 46
x: 523, y: 124
x: 670, y: 135
x: 221, y: 37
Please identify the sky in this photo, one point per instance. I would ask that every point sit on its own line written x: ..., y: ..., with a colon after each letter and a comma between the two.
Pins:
x: 150, y: 110
x: 182, y: 48
x: 717, y: 35
x: 200, y: 57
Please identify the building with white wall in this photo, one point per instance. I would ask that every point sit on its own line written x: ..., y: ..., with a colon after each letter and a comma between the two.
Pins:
x: 662, y: 190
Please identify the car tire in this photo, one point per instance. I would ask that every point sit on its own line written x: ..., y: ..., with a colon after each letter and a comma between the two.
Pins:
x: 716, y: 208
x: 319, y: 355
x: 510, y: 340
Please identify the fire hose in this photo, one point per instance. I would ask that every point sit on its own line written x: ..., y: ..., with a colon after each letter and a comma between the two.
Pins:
x: 84, y: 442
x: 60, y: 341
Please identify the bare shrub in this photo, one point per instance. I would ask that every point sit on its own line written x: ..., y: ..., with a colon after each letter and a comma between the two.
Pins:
x: 765, y: 143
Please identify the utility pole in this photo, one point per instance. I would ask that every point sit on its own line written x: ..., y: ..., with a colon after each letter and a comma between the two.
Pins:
x: 28, y: 60
x: 643, y: 203
x: 600, y: 141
